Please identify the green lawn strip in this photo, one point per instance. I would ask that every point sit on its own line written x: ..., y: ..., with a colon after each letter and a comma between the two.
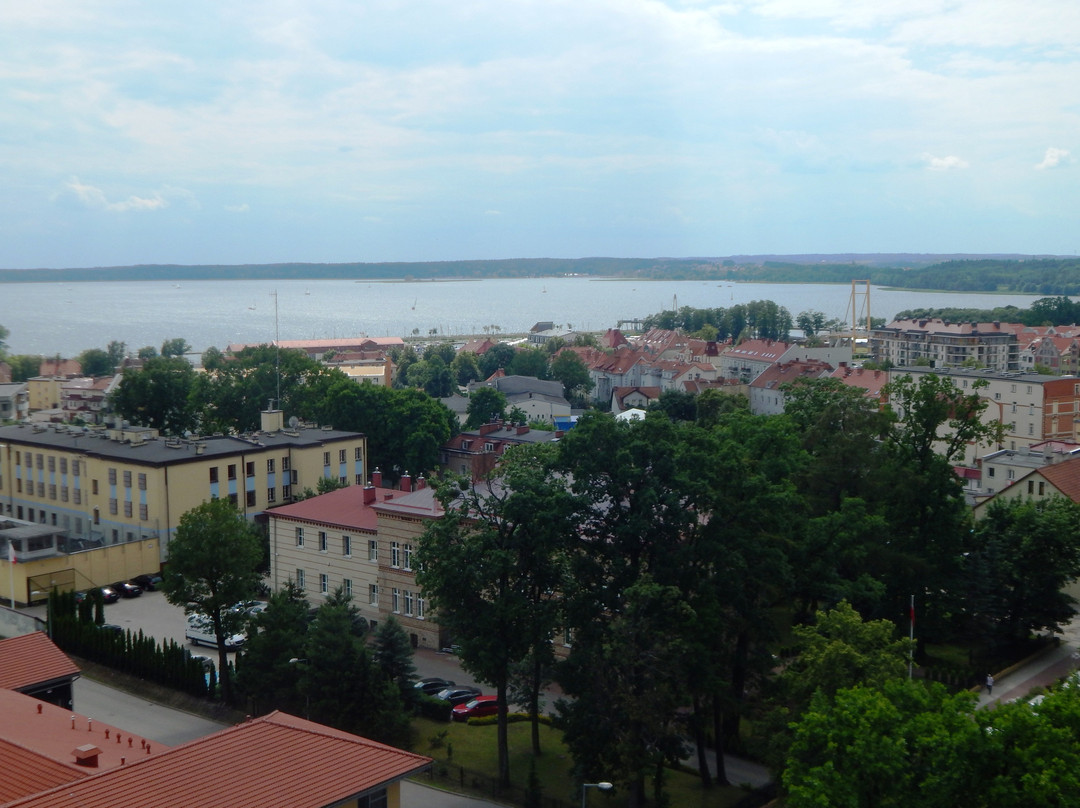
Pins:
x: 474, y: 749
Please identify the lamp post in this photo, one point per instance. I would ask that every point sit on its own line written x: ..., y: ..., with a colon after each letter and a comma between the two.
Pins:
x: 307, y: 695
x: 604, y: 786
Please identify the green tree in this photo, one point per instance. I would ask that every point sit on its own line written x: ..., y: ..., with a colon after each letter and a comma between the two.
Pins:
x: 568, y: 368
x: 158, y: 395
x: 148, y: 352
x: 213, y: 564
x: 95, y: 362
x: 464, y: 368
x: 678, y: 405
x: 4, y: 334
x: 178, y: 346
x: 393, y: 654
x: 265, y: 676
x: 24, y: 366
x: 117, y: 352
x: 486, y: 404
x: 497, y: 356
x: 489, y: 566
x: 1023, y: 555
x: 529, y: 362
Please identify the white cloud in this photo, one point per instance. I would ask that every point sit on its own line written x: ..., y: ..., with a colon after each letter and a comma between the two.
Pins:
x: 93, y: 197
x: 244, y: 208
x: 944, y: 163
x: 1054, y: 158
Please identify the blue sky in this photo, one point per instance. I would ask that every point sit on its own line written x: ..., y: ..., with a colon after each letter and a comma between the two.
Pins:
x: 393, y: 130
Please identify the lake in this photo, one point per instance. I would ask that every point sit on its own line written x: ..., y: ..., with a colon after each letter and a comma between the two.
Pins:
x: 63, y: 318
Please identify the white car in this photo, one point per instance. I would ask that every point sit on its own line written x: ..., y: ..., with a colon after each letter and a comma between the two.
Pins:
x: 200, y: 631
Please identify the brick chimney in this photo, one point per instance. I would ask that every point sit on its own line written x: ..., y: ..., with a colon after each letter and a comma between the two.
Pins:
x: 487, y: 429
x: 369, y: 494
x: 421, y: 483
x: 406, y: 482
x: 376, y: 478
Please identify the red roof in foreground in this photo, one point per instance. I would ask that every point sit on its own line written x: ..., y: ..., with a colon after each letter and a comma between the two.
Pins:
x: 344, y: 507
x: 274, y: 760
x: 32, y: 659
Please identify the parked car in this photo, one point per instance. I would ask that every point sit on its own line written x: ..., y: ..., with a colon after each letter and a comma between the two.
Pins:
x: 480, y: 706
x: 200, y: 631
x: 127, y: 589
x: 110, y: 594
x: 206, y: 662
x: 115, y: 629
x: 433, y: 685
x: 459, y: 695
x: 148, y: 583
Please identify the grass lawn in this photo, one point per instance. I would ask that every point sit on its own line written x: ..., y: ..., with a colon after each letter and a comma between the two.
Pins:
x: 474, y: 749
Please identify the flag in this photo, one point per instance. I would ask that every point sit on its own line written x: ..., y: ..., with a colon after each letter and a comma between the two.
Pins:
x: 11, y: 552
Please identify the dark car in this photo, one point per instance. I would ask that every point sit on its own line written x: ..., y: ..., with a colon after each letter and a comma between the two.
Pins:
x: 110, y: 594
x: 459, y: 695
x: 480, y: 706
x: 113, y: 628
x: 127, y: 589
x: 433, y: 685
x: 148, y: 583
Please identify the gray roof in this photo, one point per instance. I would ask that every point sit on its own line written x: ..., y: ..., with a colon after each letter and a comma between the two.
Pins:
x: 164, y: 451
x: 514, y: 385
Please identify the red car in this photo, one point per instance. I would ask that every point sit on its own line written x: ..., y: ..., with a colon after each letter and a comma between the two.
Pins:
x: 481, y: 705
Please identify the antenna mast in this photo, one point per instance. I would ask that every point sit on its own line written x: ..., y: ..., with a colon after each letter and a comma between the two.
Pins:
x: 277, y: 349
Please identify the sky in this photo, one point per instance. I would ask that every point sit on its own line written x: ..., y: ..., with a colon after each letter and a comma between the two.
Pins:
x: 258, y: 131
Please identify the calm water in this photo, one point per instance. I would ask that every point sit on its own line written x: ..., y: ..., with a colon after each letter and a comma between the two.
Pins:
x: 68, y: 318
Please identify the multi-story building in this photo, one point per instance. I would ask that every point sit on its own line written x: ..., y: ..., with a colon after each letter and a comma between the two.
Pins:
x: 1032, y: 408
x: 940, y: 344
x: 766, y: 395
x: 475, y: 453
x: 362, y: 540
x: 110, y: 486
x: 14, y: 401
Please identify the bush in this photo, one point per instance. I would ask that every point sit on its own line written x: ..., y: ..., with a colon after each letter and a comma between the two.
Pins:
x: 435, y: 709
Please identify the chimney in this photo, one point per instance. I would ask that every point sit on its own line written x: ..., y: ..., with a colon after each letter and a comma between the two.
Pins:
x: 521, y: 430
x: 369, y: 494
x: 271, y: 420
x: 87, y: 755
x: 487, y: 429
x: 406, y: 482
x: 376, y: 478
x: 421, y: 483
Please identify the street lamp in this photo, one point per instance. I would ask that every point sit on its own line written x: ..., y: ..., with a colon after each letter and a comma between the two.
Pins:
x: 605, y: 786
x: 307, y: 695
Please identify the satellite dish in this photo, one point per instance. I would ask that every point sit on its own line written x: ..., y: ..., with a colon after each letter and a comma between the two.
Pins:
x: 293, y: 422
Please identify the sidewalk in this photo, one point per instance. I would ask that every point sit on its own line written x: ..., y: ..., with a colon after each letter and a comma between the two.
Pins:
x: 1044, y: 670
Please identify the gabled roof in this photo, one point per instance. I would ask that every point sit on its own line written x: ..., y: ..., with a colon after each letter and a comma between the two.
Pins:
x: 278, y: 759
x: 775, y: 375
x: 345, y: 507
x: 23, y: 771
x: 760, y: 350
x: 33, y: 659
x: 869, y: 380
x: 1065, y: 477
x: 620, y: 394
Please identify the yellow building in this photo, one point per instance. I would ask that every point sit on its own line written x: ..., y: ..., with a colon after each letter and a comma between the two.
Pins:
x: 103, y: 487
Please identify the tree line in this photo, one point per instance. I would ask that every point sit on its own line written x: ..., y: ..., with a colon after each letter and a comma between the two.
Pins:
x: 670, y: 555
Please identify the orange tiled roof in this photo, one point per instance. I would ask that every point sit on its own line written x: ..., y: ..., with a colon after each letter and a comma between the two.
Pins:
x: 344, y: 507
x: 1065, y: 477
x: 274, y: 760
x: 32, y: 659
x: 23, y: 772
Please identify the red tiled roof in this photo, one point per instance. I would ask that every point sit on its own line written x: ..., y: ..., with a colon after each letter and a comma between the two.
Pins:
x: 55, y: 733
x: 342, y: 508
x: 25, y: 772
x: 766, y: 350
x: 1065, y: 477
x: 274, y: 760
x: 32, y: 659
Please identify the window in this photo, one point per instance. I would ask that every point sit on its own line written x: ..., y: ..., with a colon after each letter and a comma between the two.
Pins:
x: 373, y: 594
x: 233, y: 499
x: 63, y: 493
x: 78, y: 496
x: 299, y: 537
x: 1042, y: 488
x: 1012, y: 388
x: 408, y: 602
x: 63, y: 465
x: 144, y: 512
x: 358, y: 453
x: 344, y: 481
x: 359, y: 479
x: 75, y: 467
x: 324, y: 583
x: 1031, y: 429
x: 271, y: 494
x: 286, y: 491
x: 249, y: 468
x: 300, y: 578
x: 250, y: 499
x: 112, y: 476
x: 346, y: 546
x: 41, y: 462
x: 52, y: 491
x: 93, y: 487
x: 322, y: 541
x: 373, y: 550
x: 408, y: 556
x: 341, y: 455
x: 326, y: 458
x: 285, y: 463
x: 270, y: 465
x: 213, y: 474
x: 127, y: 479
x: 113, y: 507
x: 990, y: 471
x: 52, y: 463
x: 232, y: 471
x: 346, y: 587
x: 1011, y: 474
x: 18, y: 485
x: 1031, y: 486
x: 41, y: 490
x: 376, y: 799
x: 997, y: 396
x: 1014, y: 406
x: 395, y: 554
x: 395, y: 600
x: 420, y: 607
x: 142, y: 482
x: 489, y: 447
x: 127, y: 509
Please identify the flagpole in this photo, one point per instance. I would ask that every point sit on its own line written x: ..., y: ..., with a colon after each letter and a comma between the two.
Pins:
x: 911, y: 637
x: 11, y: 570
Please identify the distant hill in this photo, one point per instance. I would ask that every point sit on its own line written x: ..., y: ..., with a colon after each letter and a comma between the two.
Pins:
x: 974, y: 273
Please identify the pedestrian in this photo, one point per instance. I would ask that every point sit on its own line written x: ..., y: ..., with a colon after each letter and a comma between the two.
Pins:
x: 989, y: 685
